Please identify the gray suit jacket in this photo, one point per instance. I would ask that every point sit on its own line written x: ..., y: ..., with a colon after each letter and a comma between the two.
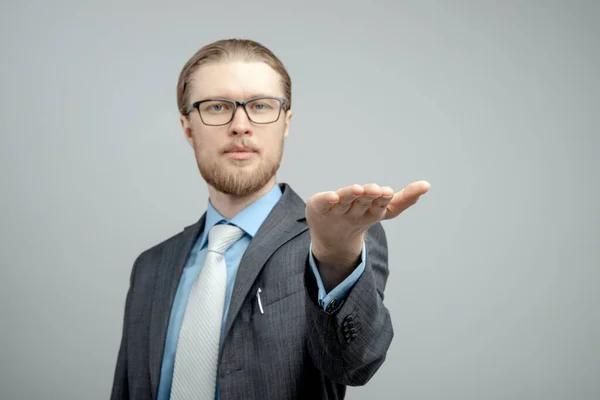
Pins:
x: 295, y: 350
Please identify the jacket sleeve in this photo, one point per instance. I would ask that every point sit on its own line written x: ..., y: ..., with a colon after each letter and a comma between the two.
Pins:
x: 120, y: 387
x: 349, y: 343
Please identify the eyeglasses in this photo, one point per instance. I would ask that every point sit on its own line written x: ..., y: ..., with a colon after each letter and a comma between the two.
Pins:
x: 260, y: 110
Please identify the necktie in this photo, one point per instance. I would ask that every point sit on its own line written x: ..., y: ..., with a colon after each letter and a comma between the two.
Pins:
x: 196, y: 359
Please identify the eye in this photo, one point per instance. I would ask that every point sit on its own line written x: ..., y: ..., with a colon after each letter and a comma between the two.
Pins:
x: 261, y: 106
x: 215, y: 107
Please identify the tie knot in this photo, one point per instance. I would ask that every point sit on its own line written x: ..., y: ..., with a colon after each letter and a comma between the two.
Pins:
x: 221, y: 237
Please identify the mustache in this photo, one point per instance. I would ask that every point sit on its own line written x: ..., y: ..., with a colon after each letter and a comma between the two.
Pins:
x: 241, y: 143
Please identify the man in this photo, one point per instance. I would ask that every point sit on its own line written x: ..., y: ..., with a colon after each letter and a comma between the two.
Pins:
x: 265, y: 297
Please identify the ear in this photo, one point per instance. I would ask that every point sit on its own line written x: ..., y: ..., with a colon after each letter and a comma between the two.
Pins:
x: 186, y: 124
x: 288, y: 117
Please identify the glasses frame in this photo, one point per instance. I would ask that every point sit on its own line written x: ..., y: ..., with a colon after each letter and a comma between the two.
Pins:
x: 237, y: 104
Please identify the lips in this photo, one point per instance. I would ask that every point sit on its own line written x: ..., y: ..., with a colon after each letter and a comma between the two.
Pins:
x: 240, y: 153
x: 240, y: 150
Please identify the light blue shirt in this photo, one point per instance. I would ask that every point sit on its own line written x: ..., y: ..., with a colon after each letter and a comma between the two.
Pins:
x: 249, y: 220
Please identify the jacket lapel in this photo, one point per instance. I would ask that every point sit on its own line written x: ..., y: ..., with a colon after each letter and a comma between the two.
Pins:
x: 286, y: 221
x: 170, y: 267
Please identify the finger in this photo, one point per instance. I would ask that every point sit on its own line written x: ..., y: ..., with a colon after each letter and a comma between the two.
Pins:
x: 346, y: 196
x: 379, y: 207
x: 406, y: 198
x: 379, y: 204
x: 323, y: 202
x: 363, y: 203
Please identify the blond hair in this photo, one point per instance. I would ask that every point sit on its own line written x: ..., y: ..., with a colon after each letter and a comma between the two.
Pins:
x: 247, y: 50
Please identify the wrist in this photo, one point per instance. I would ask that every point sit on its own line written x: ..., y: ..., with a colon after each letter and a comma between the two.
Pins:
x: 339, y: 254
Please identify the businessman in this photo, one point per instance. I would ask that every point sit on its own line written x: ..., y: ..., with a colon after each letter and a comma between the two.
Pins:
x: 265, y: 297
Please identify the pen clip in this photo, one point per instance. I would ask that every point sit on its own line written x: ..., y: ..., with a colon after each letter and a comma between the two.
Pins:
x: 259, y: 302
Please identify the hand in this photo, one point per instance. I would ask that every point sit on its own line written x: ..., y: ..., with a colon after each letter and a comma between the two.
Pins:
x: 339, y: 220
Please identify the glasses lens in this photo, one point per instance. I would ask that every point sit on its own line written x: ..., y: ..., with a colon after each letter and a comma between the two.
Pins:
x: 216, y: 112
x: 263, y: 111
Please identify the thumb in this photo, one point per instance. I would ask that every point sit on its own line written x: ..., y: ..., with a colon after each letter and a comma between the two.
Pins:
x: 406, y: 198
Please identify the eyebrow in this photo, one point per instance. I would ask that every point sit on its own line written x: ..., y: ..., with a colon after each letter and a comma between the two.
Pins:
x: 253, y: 96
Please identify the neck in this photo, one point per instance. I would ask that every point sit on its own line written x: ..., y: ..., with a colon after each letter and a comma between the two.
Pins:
x: 229, y: 206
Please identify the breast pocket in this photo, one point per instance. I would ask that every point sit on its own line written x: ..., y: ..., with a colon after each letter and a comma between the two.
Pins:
x: 281, y: 289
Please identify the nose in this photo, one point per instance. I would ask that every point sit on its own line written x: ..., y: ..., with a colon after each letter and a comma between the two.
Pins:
x: 240, y: 125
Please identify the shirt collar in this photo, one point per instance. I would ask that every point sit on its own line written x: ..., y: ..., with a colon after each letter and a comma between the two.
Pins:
x: 249, y: 219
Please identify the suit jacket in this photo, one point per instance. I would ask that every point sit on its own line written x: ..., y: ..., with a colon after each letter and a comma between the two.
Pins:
x: 295, y: 349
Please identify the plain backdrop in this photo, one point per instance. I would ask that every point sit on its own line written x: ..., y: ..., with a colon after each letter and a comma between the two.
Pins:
x: 495, y: 273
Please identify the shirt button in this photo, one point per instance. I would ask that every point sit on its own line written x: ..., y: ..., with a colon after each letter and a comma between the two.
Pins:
x: 331, y: 305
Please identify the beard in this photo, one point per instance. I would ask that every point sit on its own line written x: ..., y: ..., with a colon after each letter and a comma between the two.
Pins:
x: 237, y: 181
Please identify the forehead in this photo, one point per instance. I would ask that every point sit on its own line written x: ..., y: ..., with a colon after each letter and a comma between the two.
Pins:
x: 237, y: 80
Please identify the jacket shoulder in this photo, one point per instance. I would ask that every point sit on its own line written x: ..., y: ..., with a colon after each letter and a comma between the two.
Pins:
x: 162, y: 248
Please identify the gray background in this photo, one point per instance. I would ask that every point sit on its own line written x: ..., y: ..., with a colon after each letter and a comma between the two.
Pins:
x: 494, y: 274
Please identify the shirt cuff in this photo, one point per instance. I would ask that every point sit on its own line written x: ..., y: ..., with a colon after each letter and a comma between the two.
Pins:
x: 333, y: 300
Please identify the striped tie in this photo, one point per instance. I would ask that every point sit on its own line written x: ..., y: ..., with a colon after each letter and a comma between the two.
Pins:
x: 196, y: 359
